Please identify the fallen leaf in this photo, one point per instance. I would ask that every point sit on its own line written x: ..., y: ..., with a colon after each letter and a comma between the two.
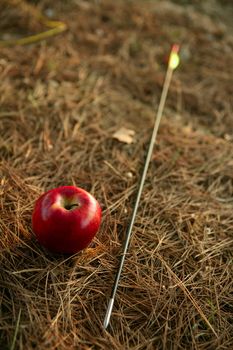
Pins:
x: 124, y: 135
x: 188, y: 129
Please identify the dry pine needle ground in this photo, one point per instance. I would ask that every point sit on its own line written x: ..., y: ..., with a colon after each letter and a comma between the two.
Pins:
x: 60, y: 103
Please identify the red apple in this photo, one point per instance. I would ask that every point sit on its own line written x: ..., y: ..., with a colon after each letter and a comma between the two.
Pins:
x: 66, y: 219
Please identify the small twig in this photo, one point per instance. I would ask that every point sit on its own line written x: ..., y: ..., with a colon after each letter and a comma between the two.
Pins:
x: 16, y: 331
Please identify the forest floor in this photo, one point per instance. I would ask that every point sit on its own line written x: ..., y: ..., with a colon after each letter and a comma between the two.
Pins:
x: 61, y: 101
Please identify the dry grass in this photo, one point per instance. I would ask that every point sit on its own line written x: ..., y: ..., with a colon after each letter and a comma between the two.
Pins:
x: 61, y: 101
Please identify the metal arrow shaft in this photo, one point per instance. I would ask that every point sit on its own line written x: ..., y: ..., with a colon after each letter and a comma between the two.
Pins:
x: 140, y: 188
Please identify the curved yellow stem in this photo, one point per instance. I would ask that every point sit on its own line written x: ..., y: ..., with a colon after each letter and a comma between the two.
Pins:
x: 56, y: 27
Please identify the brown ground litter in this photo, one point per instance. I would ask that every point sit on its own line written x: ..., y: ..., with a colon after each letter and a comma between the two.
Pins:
x: 61, y: 101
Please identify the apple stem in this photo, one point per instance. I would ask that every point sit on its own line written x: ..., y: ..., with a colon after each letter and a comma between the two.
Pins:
x: 71, y: 206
